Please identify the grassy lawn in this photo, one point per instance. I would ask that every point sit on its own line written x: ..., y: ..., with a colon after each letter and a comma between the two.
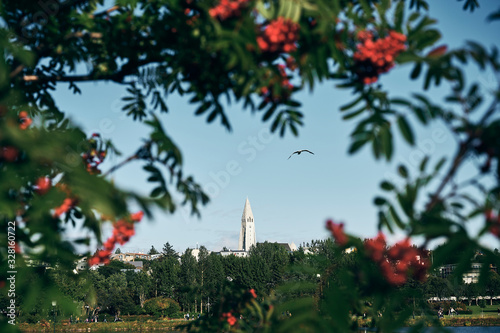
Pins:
x: 489, y: 310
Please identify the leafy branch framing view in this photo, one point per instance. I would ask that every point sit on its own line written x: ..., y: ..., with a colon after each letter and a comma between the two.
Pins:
x: 260, y: 53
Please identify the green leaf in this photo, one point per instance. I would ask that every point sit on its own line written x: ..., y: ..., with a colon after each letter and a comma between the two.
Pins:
x: 494, y: 16
x: 157, y: 192
x: 211, y: 116
x: 396, y: 218
x: 386, y: 142
x: 458, y: 205
x: 379, y: 201
x: 354, y: 114
x: 403, y: 171
x: 398, y: 15
x: 351, y: 104
x: 400, y: 101
x: 423, y: 164
x: 416, y: 71
x: 357, y: 145
x: 405, y: 130
x: 439, y: 164
x: 269, y: 112
x: 202, y: 108
x: 268, y: 14
x: 384, y: 222
x: 387, y: 186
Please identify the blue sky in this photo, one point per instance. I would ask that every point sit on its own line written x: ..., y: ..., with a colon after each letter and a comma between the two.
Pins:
x: 291, y: 199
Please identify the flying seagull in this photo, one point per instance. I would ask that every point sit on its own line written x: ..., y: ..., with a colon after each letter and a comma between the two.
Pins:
x: 298, y: 152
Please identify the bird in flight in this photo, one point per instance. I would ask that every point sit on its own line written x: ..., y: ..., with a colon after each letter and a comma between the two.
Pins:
x: 298, y: 152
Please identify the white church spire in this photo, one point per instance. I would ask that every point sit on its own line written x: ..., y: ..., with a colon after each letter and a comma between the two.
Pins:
x: 247, y: 232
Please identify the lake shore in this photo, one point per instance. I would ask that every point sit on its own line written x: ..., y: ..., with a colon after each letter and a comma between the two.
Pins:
x: 137, y: 326
x: 176, y: 325
x: 456, y: 321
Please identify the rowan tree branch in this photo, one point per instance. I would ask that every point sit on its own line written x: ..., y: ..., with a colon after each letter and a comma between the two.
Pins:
x: 127, y: 69
x: 459, y: 156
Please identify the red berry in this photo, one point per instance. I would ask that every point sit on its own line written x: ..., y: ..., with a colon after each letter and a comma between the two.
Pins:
x: 43, y: 185
x: 9, y: 153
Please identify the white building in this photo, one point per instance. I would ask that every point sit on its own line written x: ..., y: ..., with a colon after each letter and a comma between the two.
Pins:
x: 472, y: 276
x: 247, y: 231
x: 196, y: 252
x: 237, y: 253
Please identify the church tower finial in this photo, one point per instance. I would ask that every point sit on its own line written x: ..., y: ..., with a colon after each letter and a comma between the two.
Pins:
x: 247, y: 232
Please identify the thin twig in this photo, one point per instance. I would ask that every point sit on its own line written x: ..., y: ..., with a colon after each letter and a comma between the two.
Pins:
x: 119, y: 165
x: 16, y: 71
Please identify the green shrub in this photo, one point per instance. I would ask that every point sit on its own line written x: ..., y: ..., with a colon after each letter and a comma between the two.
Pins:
x: 161, y: 306
x: 31, y: 318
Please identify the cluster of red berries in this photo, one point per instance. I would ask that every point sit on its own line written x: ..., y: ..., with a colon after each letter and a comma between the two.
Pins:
x: 122, y: 232
x: 43, y: 185
x: 493, y: 223
x: 374, y: 57
x: 227, y: 9
x: 67, y: 204
x: 24, y: 120
x: 231, y: 319
x: 271, y: 94
x: 337, y: 230
x: 395, y: 262
x: 95, y: 155
x: 279, y: 36
x: 10, y: 153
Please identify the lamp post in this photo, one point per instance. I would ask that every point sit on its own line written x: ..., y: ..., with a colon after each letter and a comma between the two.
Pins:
x: 54, y: 303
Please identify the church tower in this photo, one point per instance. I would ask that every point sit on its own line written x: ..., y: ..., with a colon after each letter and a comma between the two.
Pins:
x: 247, y: 232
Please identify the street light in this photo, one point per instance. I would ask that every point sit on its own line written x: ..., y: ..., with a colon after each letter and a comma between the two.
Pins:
x: 54, y: 303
